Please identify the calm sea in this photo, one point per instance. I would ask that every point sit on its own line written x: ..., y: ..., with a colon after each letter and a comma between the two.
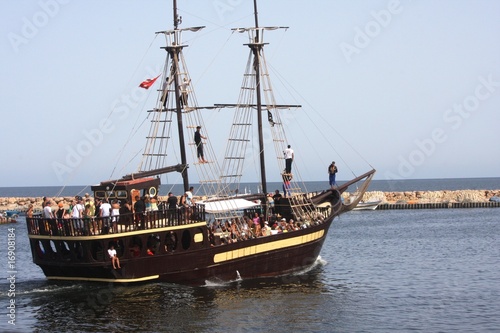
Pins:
x: 376, y: 185
x: 379, y: 271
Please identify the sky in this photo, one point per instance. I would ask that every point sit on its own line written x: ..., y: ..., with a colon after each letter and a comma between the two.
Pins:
x: 410, y: 88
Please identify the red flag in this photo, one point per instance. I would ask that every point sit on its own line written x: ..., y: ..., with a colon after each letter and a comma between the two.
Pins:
x: 148, y: 83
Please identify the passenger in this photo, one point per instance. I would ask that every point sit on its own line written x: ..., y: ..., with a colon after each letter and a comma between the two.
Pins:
x: 97, y: 214
x: 170, y: 242
x: 77, y: 215
x: 126, y: 215
x: 90, y: 214
x: 277, y: 202
x: 184, y: 208
x: 154, y: 204
x: 266, y: 231
x: 189, y: 197
x: 234, y: 231
x: 139, y: 210
x: 114, y: 258
x: 29, y: 212
x: 147, y: 203
x: 283, y: 225
x: 172, y: 209
x: 149, y: 252
x: 190, y: 202
x: 47, y: 210
x: 105, y: 213
x: 60, y: 211
x: 115, y: 215
x: 256, y: 218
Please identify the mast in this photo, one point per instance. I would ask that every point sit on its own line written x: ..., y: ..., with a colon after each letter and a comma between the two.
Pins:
x: 256, y: 46
x: 174, y: 51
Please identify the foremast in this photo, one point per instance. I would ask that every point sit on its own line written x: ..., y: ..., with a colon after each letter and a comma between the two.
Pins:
x: 175, y: 85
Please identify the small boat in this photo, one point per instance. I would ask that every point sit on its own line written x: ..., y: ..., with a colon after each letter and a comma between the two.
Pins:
x: 211, y: 239
x: 367, y: 205
x: 9, y: 216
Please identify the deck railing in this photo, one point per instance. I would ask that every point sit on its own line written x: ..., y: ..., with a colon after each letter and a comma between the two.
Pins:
x: 88, y: 226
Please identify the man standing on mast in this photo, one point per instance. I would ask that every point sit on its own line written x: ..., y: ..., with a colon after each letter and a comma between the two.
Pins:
x: 199, y: 144
x: 288, y: 159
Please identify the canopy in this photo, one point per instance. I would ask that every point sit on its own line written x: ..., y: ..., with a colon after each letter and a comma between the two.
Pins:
x: 220, y: 206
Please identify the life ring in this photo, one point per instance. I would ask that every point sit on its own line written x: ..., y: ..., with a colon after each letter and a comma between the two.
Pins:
x: 152, y: 191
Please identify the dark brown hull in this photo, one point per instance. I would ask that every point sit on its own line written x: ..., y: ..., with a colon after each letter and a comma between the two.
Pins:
x: 292, y: 251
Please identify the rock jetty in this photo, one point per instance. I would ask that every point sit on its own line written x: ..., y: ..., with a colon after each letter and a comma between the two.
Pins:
x: 460, y: 196
x: 411, y: 197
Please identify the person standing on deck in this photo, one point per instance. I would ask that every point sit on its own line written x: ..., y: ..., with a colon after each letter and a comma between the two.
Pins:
x: 288, y: 159
x: 199, y: 144
x: 139, y: 210
x: 332, y: 171
x: 277, y: 204
x: 172, y: 208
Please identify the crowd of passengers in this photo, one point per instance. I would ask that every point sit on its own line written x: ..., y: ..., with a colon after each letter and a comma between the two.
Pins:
x: 88, y: 216
x: 238, y: 229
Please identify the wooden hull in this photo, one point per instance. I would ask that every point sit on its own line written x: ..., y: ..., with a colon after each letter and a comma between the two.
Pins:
x: 259, y: 257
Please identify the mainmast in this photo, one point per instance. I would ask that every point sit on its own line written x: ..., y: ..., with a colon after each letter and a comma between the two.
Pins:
x: 256, y: 47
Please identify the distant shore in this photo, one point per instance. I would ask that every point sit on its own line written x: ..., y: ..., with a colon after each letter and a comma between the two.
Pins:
x: 410, y: 197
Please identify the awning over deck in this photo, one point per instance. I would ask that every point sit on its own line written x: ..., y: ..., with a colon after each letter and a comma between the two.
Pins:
x: 221, y: 206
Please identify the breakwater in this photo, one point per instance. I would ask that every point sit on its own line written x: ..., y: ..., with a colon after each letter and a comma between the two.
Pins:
x: 389, y: 200
x: 387, y: 206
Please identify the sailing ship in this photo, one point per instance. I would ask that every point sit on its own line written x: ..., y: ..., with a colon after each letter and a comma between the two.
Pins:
x: 211, y: 239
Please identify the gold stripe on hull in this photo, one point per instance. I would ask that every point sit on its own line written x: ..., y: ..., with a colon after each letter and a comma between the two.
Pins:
x: 70, y: 278
x: 266, y: 247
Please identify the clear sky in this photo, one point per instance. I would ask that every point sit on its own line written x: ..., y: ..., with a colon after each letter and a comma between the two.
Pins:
x: 413, y: 87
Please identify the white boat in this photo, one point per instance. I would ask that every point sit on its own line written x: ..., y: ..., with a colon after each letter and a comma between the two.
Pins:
x: 367, y: 205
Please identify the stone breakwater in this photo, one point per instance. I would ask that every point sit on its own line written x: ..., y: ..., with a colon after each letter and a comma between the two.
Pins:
x: 460, y: 196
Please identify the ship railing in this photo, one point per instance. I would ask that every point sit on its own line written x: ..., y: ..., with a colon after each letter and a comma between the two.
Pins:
x: 89, y: 226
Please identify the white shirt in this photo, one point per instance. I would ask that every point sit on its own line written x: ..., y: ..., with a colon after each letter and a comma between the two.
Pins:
x: 189, y: 198
x: 288, y: 153
x: 77, y: 210
x: 112, y: 253
x: 47, y: 212
x: 105, y: 209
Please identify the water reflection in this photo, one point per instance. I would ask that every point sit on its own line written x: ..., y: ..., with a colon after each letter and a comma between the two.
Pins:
x: 91, y: 307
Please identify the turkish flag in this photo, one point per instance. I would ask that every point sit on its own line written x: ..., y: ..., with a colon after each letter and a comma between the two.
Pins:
x: 148, y: 83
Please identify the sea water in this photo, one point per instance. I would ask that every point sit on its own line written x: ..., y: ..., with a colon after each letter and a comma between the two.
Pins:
x: 379, y: 271
x: 376, y: 185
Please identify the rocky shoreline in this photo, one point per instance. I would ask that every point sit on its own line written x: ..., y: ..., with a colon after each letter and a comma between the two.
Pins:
x: 410, y: 197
